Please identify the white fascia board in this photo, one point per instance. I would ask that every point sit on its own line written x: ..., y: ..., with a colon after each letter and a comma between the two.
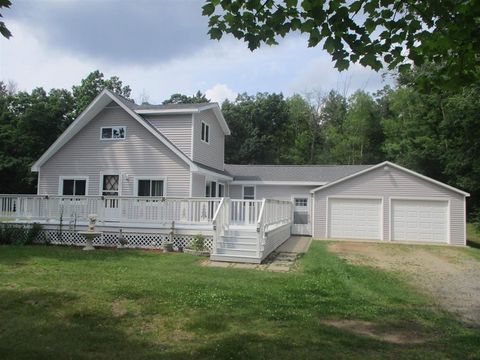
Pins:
x: 395, y: 166
x: 280, y: 183
x: 166, y: 111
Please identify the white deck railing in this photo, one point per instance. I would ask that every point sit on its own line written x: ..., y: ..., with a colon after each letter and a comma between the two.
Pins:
x: 108, y: 208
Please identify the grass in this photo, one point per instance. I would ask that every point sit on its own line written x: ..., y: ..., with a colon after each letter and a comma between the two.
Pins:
x: 59, y: 302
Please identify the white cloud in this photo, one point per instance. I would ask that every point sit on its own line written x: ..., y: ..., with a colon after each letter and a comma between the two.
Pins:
x: 220, y: 92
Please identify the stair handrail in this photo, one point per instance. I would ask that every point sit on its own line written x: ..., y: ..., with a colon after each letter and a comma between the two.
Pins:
x: 218, y: 224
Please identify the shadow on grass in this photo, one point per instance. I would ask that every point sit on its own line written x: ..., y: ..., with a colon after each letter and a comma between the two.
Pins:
x: 473, y: 244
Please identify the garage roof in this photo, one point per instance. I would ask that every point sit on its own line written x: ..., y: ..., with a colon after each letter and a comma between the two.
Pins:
x: 301, y: 174
x: 388, y: 163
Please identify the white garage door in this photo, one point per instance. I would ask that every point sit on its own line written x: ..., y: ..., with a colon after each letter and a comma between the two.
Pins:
x: 420, y: 220
x: 354, y: 218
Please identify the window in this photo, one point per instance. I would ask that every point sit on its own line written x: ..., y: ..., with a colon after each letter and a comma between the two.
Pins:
x: 210, y: 189
x: 74, y: 187
x: 110, y: 185
x: 205, y: 132
x: 113, y: 133
x: 249, y: 192
x: 146, y: 187
x: 301, y: 202
x: 221, y: 190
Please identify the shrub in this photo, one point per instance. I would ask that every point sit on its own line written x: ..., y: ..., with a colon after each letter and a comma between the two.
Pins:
x: 33, y: 232
x: 16, y: 235
x: 8, y: 234
x: 197, y: 243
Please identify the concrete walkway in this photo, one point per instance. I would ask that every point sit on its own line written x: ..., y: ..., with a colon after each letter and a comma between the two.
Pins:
x: 281, y: 260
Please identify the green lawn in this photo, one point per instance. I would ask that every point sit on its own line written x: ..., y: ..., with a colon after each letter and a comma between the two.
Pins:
x: 59, y: 302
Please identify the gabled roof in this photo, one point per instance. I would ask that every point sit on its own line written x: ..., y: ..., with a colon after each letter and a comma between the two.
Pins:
x: 148, y: 109
x: 395, y: 166
x: 290, y: 174
x: 92, y: 110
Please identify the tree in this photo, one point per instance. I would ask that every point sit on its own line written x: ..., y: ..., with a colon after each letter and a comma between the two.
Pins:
x: 259, y: 126
x: 29, y: 124
x: 391, y: 33
x: 199, y: 97
x: 3, y: 28
x: 93, y: 85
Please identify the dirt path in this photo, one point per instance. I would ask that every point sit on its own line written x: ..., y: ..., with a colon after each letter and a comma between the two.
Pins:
x: 449, y: 275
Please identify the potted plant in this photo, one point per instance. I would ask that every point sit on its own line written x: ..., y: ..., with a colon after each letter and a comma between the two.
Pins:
x: 197, y: 246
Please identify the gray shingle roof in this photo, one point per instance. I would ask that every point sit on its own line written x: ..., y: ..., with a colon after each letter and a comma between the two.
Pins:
x: 310, y: 173
x: 131, y: 104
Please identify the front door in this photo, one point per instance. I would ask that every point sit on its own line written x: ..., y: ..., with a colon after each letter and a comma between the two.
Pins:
x: 110, y: 188
x: 301, y: 216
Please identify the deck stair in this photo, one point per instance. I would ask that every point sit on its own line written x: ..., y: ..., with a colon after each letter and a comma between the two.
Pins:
x: 238, y: 244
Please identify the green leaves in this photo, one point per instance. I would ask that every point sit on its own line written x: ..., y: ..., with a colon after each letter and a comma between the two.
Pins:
x: 443, y: 31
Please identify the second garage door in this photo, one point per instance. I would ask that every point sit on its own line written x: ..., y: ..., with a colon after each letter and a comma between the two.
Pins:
x: 420, y: 220
x: 355, y: 218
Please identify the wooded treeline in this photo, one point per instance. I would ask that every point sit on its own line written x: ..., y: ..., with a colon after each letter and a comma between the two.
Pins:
x: 431, y: 130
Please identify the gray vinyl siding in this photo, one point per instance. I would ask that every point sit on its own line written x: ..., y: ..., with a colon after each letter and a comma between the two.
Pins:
x: 388, y: 184
x: 176, y: 128
x: 235, y: 191
x: 210, y: 154
x: 140, y: 154
x: 198, y: 185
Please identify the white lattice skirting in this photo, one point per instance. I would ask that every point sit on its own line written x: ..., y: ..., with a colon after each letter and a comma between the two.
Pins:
x: 135, y: 240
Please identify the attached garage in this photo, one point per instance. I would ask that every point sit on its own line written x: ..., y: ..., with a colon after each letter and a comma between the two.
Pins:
x: 355, y: 218
x: 419, y: 220
x: 391, y: 203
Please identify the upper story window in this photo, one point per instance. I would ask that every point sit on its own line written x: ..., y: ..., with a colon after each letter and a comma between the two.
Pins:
x: 113, y: 133
x: 249, y: 193
x: 205, y: 132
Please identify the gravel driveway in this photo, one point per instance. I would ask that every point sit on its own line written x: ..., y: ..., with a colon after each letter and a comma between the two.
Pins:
x: 450, y: 275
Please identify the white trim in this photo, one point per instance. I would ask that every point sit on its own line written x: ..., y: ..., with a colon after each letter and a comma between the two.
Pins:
x: 388, y: 163
x: 207, y: 132
x: 309, y: 208
x: 254, y: 192
x: 191, y: 184
x: 147, y: 177
x: 312, y: 196
x: 192, y: 134
x: 357, y: 197
x: 38, y: 182
x: 411, y: 198
x: 72, y: 177
x: 286, y: 183
x: 92, y: 110
x: 107, y: 172
x: 111, y: 127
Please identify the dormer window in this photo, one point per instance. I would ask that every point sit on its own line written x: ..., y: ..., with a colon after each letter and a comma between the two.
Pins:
x: 205, y: 133
x: 113, y: 133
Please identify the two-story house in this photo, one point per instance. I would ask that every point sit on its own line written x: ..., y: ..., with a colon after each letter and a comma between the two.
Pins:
x: 118, y: 149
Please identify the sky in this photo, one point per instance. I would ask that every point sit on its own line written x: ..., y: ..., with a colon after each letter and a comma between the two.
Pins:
x: 159, y: 47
